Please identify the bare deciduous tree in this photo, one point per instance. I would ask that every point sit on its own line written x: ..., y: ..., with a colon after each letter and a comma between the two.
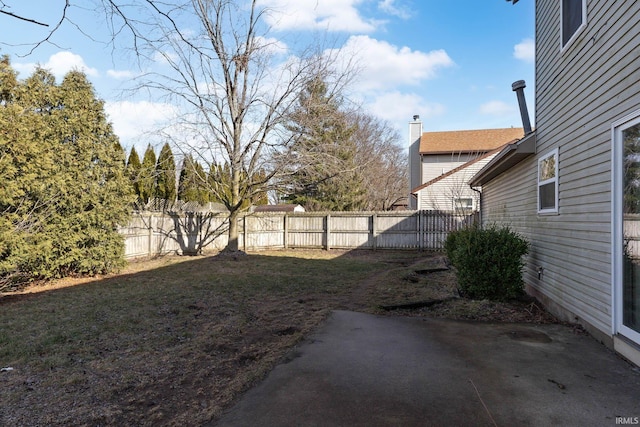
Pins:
x: 234, y: 87
x: 383, y: 162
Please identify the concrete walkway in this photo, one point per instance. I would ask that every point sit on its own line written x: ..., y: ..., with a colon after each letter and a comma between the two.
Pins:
x: 365, y: 370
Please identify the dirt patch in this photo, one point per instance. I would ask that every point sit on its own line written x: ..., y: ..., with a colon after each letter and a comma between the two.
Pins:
x: 175, y: 341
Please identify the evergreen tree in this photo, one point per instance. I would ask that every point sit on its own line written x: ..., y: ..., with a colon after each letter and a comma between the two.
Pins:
x: 133, y: 171
x: 26, y: 172
x: 193, y: 182
x: 147, y: 176
x: 219, y: 182
x: 166, y: 175
x: 68, y: 189
x: 8, y: 81
x: 325, y: 172
x: 118, y: 148
x: 260, y: 197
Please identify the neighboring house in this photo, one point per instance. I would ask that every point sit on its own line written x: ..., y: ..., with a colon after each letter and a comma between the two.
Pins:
x: 283, y: 208
x: 572, y: 188
x: 450, y: 192
x: 441, y: 164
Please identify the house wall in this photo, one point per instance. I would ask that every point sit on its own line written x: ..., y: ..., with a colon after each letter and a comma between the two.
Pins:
x: 580, y: 92
x: 440, y: 195
x: 434, y: 165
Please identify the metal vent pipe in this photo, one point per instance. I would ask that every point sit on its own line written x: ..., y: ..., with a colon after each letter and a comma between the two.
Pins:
x: 518, y: 88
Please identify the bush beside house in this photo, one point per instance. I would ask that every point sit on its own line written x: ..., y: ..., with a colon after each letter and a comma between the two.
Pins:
x: 488, y: 262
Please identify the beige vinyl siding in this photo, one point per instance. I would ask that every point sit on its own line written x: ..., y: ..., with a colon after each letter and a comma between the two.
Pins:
x: 580, y: 92
x: 511, y: 200
x: 432, y: 198
x: 434, y: 165
x: 440, y: 195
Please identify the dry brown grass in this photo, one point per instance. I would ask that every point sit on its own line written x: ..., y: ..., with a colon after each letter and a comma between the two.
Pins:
x: 174, y: 341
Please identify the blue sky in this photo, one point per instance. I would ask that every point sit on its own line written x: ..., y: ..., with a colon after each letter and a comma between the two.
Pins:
x: 451, y: 62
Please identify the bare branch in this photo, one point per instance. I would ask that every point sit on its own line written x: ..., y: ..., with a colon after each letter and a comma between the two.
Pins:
x: 33, y: 21
x: 47, y: 39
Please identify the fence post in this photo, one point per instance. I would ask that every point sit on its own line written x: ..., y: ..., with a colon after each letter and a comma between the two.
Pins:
x: 328, y: 231
x: 244, y: 232
x: 199, y: 225
x: 374, y: 231
x: 149, y: 236
x: 285, y: 227
x: 421, y: 236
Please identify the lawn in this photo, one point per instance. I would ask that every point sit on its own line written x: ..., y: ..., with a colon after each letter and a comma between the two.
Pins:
x: 175, y: 340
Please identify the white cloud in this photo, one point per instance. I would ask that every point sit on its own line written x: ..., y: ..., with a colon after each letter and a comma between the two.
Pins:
x: 497, y: 108
x: 131, y: 120
x: 390, y: 7
x: 62, y: 62
x: 398, y: 108
x: 272, y: 44
x: 120, y: 74
x: 385, y: 66
x: 331, y: 15
x: 59, y: 64
x: 525, y: 50
x: 165, y: 57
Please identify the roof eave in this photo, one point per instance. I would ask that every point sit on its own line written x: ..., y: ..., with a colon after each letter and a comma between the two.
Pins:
x: 479, y: 150
x: 510, y: 156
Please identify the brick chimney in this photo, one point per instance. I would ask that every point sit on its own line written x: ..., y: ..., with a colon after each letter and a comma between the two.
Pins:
x: 415, y: 163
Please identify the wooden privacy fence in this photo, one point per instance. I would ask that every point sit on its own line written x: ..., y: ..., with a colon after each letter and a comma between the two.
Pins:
x: 150, y: 234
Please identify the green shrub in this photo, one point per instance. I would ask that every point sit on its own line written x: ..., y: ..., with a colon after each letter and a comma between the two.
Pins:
x: 63, y: 188
x: 488, y: 262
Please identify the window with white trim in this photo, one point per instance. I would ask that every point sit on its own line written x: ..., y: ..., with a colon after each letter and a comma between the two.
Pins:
x: 463, y: 204
x: 573, y: 19
x: 548, y: 183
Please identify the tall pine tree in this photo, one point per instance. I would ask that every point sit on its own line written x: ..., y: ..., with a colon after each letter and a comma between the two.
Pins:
x: 219, y: 182
x: 133, y: 171
x: 193, y: 182
x: 166, y: 175
x: 325, y: 173
x: 147, y: 176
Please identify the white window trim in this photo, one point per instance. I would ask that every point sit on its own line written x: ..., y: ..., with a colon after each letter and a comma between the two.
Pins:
x: 617, y: 225
x: 578, y: 31
x: 554, y: 210
x: 458, y: 207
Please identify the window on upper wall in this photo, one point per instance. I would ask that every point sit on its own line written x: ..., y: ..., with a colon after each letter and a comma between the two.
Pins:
x: 548, y: 183
x: 574, y: 18
x: 463, y: 205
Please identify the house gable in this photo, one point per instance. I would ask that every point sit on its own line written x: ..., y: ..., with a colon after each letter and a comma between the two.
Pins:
x: 451, y: 191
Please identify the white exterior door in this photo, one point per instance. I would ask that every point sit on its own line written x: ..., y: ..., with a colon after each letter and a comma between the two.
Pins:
x: 626, y: 227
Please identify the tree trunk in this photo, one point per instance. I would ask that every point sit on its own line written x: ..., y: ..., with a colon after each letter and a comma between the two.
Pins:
x: 233, y: 245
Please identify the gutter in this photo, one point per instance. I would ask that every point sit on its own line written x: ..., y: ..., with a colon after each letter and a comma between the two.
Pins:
x: 511, y: 155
